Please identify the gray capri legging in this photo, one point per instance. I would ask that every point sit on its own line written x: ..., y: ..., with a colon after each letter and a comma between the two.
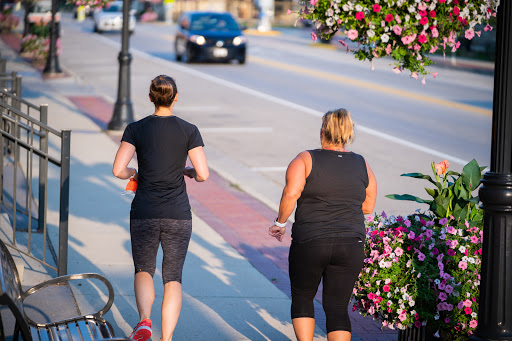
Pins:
x: 147, y: 234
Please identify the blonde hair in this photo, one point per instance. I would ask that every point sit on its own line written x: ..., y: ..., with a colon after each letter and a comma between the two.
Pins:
x: 337, y: 127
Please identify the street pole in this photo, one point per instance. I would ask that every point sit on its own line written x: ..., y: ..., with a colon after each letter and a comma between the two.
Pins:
x: 123, y: 109
x: 52, y: 61
x: 495, y: 301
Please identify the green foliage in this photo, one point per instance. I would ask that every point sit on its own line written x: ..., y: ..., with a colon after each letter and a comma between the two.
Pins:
x: 453, y: 192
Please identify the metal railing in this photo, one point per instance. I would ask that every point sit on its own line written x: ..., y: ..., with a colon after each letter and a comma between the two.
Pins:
x: 24, y: 140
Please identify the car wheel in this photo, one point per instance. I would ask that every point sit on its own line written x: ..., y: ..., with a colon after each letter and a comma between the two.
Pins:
x: 188, y: 57
x: 241, y: 60
x: 178, y: 56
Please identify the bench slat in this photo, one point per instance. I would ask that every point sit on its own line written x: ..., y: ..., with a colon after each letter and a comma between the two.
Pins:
x: 35, y: 333
x: 63, y: 333
x: 54, y: 333
x: 95, y: 330
x: 73, y: 332
x: 84, y: 330
x: 105, y: 331
x: 44, y: 334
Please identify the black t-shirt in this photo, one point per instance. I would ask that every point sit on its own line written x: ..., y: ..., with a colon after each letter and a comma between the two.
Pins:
x: 162, y: 144
x: 331, y: 203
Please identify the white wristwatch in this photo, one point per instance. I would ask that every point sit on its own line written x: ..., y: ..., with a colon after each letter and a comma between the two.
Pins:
x: 278, y: 224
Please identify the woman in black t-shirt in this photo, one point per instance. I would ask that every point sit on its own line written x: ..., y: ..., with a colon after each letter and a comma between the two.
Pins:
x: 160, y: 212
x: 333, y: 189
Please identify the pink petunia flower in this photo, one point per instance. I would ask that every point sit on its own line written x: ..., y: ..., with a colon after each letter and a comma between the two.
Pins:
x: 388, y: 49
x: 376, y: 8
x: 389, y: 18
x: 397, y: 30
x: 463, y: 265
x: 432, y: 14
x: 450, y: 252
x: 456, y: 10
x: 386, y: 288
x: 399, y: 251
x: 442, y: 296
x: 424, y: 21
x: 467, y: 310
x: 473, y: 323
x: 421, y: 256
x: 467, y: 303
x: 422, y: 39
x: 423, y: 13
x: 313, y: 2
x: 487, y: 28
x: 469, y: 34
x: 360, y: 15
x: 313, y: 36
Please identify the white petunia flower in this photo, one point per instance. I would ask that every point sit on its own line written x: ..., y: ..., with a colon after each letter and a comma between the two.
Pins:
x: 412, y: 303
x: 370, y: 33
x: 346, y: 8
x: 359, y: 8
x: 329, y: 21
x: 418, y: 17
x: 411, y: 9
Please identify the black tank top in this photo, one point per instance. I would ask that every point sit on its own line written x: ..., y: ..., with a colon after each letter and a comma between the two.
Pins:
x: 331, y: 202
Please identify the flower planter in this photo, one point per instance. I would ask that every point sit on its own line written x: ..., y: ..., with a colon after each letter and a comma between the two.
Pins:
x: 422, y: 334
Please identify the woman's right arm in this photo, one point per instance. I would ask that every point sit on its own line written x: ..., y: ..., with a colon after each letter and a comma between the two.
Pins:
x: 199, y: 170
x: 371, y: 192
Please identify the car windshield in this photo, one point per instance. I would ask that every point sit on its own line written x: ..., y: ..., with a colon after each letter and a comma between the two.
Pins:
x: 113, y: 8
x: 213, y: 22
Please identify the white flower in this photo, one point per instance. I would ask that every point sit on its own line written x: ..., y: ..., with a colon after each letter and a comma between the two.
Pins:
x: 411, y: 9
x: 474, y: 315
x: 389, y: 295
x: 329, y: 21
x: 386, y: 29
x: 471, y: 260
x: 417, y: 218
x: 359, y: 8
x: 465, y: 259
x: 413, y: 312
x: 397, y: 290
x: 329, y: 13
x: 437, y: 281
x: 370, y: 33
x: 405, y: 297
x: 477, y: 282
x: 435, y: 22
x: 436, y: 317
x: 462, y: 249
x: 385, y: 38
x: 412, y: 303
x: 399, y: 311
x: 468, y: 294
x: 432, y: 6
x: 418, y: 17
x: 382, y: 264
x: 345, y: 8
x: 378, y: 282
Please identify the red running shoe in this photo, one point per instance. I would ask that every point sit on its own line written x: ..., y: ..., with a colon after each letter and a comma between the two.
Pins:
x: 142, y: 331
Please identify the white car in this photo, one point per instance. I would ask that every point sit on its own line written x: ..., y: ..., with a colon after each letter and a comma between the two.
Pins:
x: 110, y: 18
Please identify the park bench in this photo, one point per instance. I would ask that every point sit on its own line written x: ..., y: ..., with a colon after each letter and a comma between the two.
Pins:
x: 79, y: 328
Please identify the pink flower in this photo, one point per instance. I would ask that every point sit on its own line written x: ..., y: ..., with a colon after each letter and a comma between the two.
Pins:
x: 463, y: 265
x: 402, y: 317
x: 467, y: 310
x: 389, y: 17
x: 473, y: 323
x: 313, y: 2
x: 435, y: 32
x: 371, y: 296
x: 411, y: 235
x: 388, y: 49
x: 424, y: 21
x: 313, y: 36
x: 432, y: 14
x: 421, y: 256
x: 399, y: 251
x: 422, y: 38
x: 474, y: 239
x: 450, y: 252
x: 487, y: 28
x: 442, y: 296
x: 397, y: 30
x: 417, y: 324
x: 423, y: 13
x: 467, y: 303
x: 456, y: 10
x: 415, y: 76
x: 397, y: 18
x: 469, y: 34
x: 376, y: 8
x: 359, y: 15
x: 386, y: 288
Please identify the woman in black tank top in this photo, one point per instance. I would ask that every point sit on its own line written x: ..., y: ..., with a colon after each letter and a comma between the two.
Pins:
x: 333, y: 189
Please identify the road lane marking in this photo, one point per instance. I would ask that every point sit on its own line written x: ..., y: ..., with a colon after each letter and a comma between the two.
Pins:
x: 269, y: 169
x: 368, y: 85
x: 237, y: 130
x: 280, y: 101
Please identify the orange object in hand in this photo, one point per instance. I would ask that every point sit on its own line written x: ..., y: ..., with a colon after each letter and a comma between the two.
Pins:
x: 131, y: 186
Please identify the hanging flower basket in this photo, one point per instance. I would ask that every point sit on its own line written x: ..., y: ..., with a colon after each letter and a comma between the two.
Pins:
x: 406, y: 30
x: 90, y: 3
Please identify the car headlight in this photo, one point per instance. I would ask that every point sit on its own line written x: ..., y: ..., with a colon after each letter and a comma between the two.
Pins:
x: 199, y: 40
x: 239, y: 40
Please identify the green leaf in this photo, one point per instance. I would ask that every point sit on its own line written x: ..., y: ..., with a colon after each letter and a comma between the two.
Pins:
x: 440, y: 206
x: 432, y: 192
x: 474, y: 200
x: 451, y: 173
x: 471, y: 175
x: 419, y: 176
x: 408, y: 197
x: 482, y: 168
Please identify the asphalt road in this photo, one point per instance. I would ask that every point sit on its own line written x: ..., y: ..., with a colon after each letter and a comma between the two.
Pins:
x: 256, y: 117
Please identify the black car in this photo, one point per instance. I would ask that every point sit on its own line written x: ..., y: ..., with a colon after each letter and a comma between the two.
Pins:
x: 209, y: 36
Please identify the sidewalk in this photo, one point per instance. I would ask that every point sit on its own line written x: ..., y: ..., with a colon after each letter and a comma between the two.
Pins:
x: 235, y: 277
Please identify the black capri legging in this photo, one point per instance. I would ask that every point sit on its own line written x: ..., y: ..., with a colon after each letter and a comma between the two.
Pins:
x: 338, y: 262
x: 148, y: 234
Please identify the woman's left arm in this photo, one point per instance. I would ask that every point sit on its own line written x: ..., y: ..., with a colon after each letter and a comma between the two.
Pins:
x: 123, y: 158
x: 371, y: 192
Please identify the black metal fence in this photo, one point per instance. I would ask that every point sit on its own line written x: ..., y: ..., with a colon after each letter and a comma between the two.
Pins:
x: 24, y: 145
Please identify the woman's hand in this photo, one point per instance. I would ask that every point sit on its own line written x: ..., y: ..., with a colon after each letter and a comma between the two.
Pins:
x: 277, y: 232
x: 189, y: 172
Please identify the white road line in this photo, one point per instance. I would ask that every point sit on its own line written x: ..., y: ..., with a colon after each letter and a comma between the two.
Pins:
x: 237, y: 130
x: 283, y: 102
x: 269, y: 169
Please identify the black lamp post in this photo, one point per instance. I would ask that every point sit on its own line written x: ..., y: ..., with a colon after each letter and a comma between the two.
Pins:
x: 123, y: 110
x: 52, y: 61
x: 495, y: 301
